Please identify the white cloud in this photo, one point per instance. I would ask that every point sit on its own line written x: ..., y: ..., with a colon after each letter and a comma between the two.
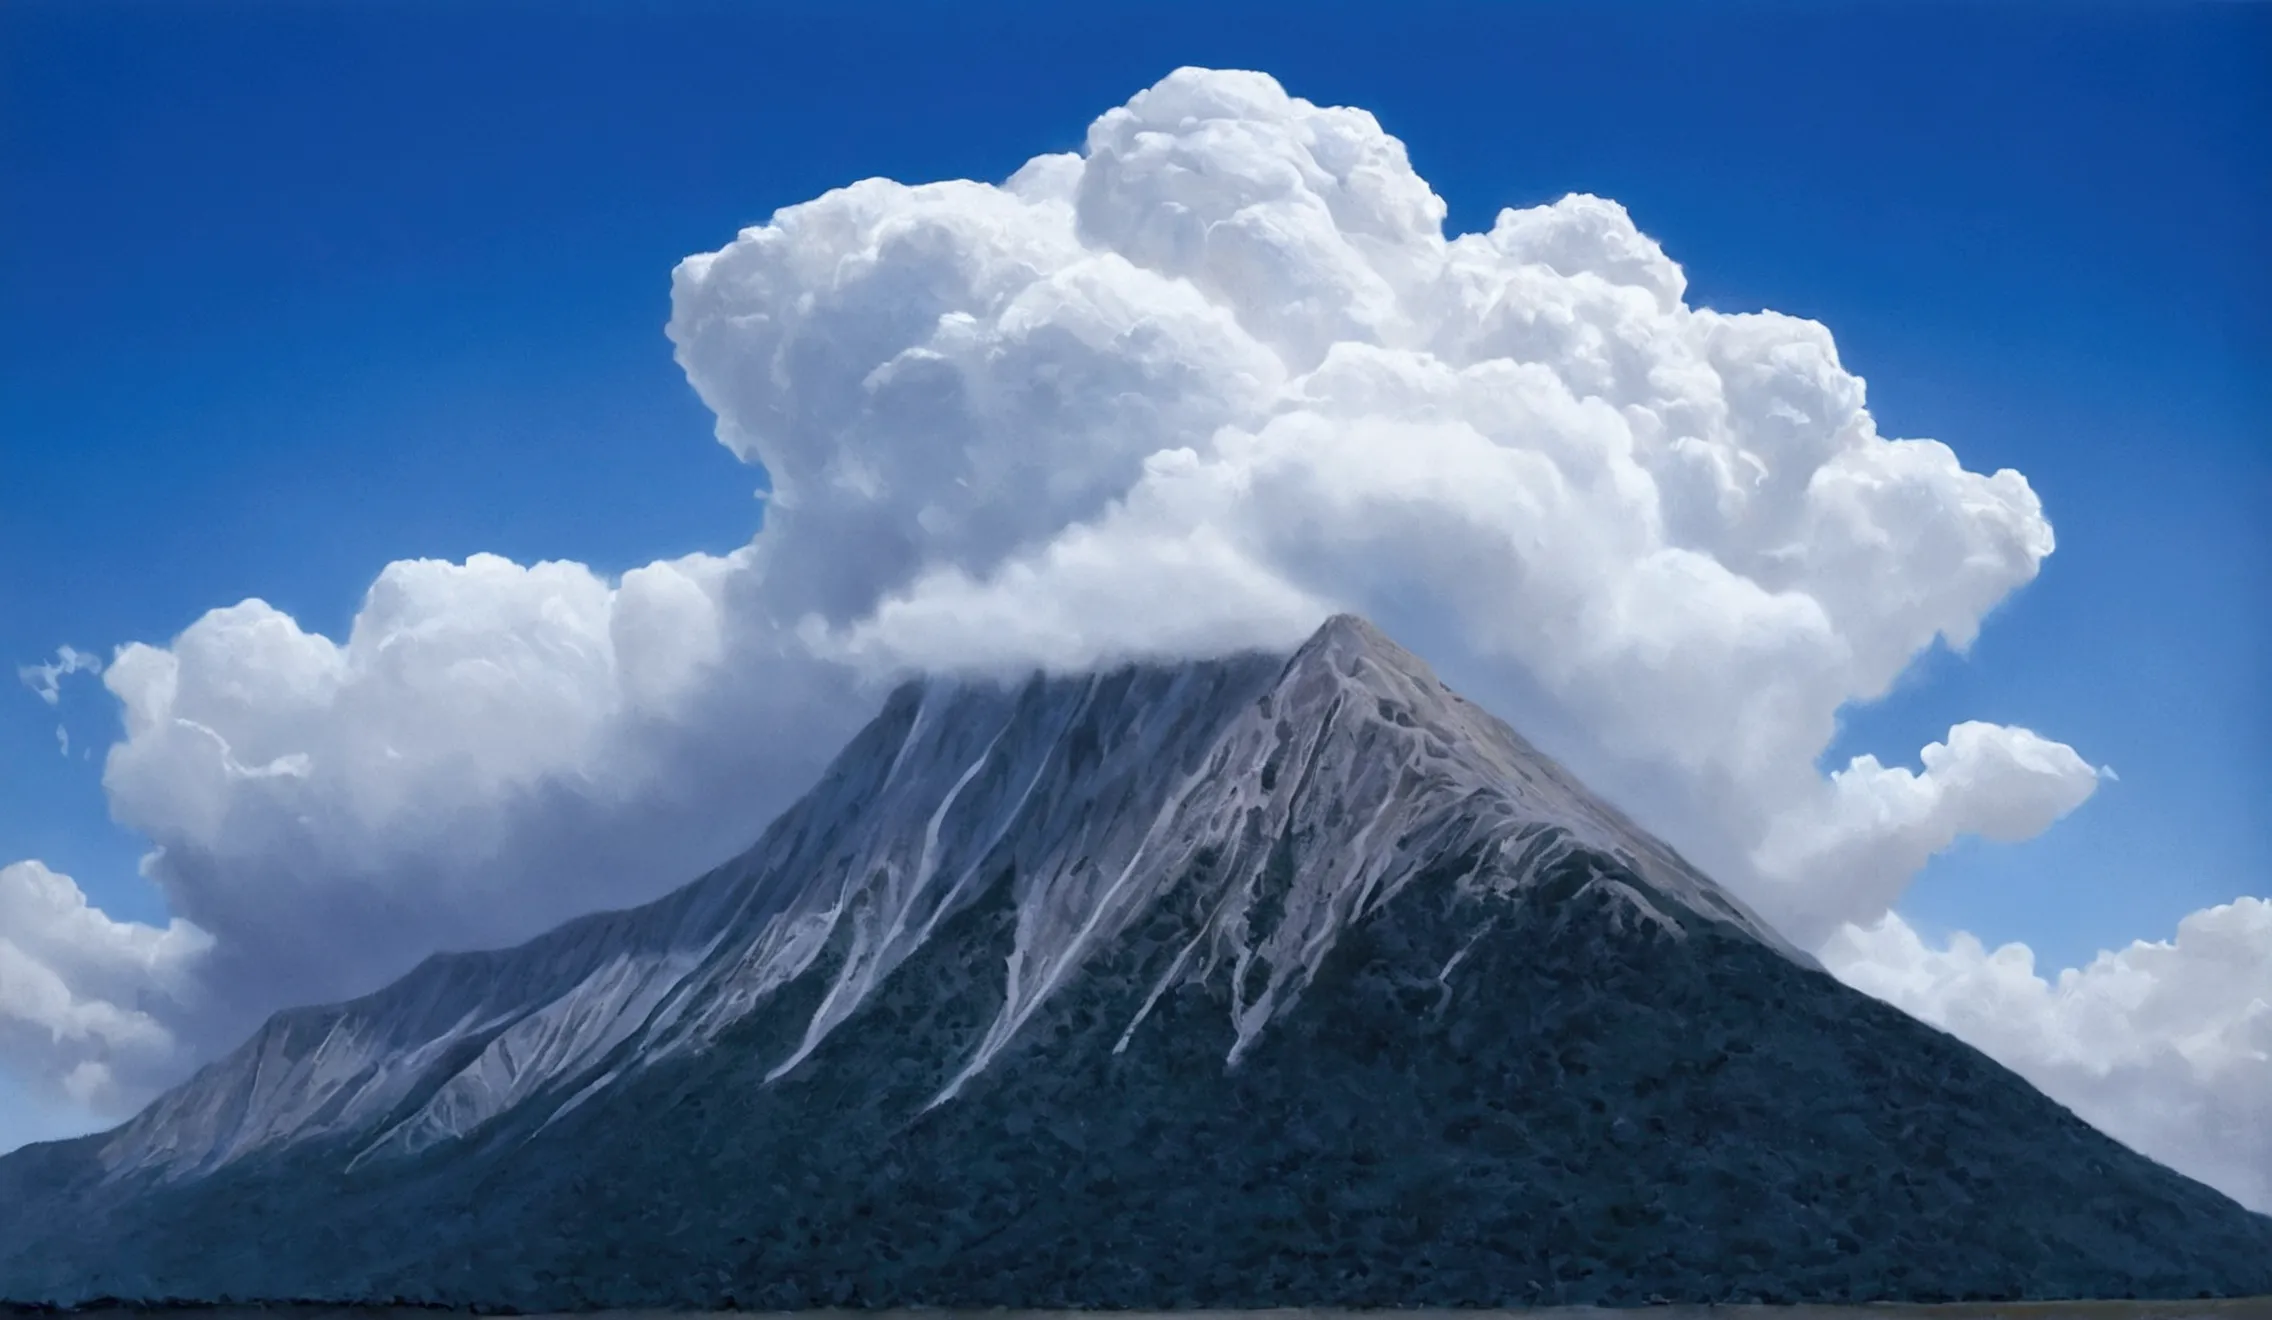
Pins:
x: 1195, y: 387
x: 1873, y: 827
x: 47, y: 679
x: 493, y: 749
x: 1668, y: 539
x: 85, y: 1001
x: 2167, y: 1046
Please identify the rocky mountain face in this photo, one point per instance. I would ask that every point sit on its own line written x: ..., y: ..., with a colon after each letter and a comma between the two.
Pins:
x: 1252, y: 982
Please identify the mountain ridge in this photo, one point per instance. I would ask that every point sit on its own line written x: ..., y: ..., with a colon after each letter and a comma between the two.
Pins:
x: 677, y: 933
x: 1077, y: 904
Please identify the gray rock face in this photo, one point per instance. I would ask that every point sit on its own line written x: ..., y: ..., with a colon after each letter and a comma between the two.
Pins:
x: 1250, y: 982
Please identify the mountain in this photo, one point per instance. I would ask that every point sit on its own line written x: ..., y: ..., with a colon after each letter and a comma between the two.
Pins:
x: 1253, y: 982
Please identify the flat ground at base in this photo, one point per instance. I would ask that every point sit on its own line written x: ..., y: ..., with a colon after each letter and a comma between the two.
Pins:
x: 2245, y: 1308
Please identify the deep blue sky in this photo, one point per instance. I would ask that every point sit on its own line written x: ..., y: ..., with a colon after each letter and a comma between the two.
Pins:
x: 288, y: 290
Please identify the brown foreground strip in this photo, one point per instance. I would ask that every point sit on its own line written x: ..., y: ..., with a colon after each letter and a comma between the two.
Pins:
x: 2235, y: 1308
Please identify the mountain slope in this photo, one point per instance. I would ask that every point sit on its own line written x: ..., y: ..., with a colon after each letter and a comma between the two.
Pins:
x: 1257, y: 981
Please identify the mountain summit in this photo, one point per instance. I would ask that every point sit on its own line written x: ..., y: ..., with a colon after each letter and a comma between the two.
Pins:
x: 1259, y: 981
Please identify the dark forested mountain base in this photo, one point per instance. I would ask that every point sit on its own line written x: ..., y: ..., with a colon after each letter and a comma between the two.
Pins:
x: 1520, y: 1078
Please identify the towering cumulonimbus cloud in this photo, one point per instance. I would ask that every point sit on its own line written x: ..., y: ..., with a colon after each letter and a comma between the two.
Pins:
x: 1188, y: 390
x: 1222, y: 373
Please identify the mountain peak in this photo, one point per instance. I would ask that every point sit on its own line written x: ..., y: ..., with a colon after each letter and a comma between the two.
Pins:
x: 1354, y: 647
x: 1191, y: 926
x: 1308, y: 789
x: 1357, y: 632
x: 1348, y: 653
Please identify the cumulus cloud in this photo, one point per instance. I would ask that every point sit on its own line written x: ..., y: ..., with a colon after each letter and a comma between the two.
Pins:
x: 86, y: 1002
x: 493, y: 749
x: 1873, y: 827
x: 2165, y: 1045
x: 1222, y: 373
x: 1192, y: 388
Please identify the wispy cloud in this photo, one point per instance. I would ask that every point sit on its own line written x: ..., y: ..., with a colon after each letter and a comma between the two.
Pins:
x: 47, y: 679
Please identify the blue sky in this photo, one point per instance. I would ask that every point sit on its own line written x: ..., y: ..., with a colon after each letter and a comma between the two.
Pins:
x: 290, y: 291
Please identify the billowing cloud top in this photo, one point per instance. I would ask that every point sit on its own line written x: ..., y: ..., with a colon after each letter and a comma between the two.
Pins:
x: 1191, y: 389
x: 1222, y: 374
